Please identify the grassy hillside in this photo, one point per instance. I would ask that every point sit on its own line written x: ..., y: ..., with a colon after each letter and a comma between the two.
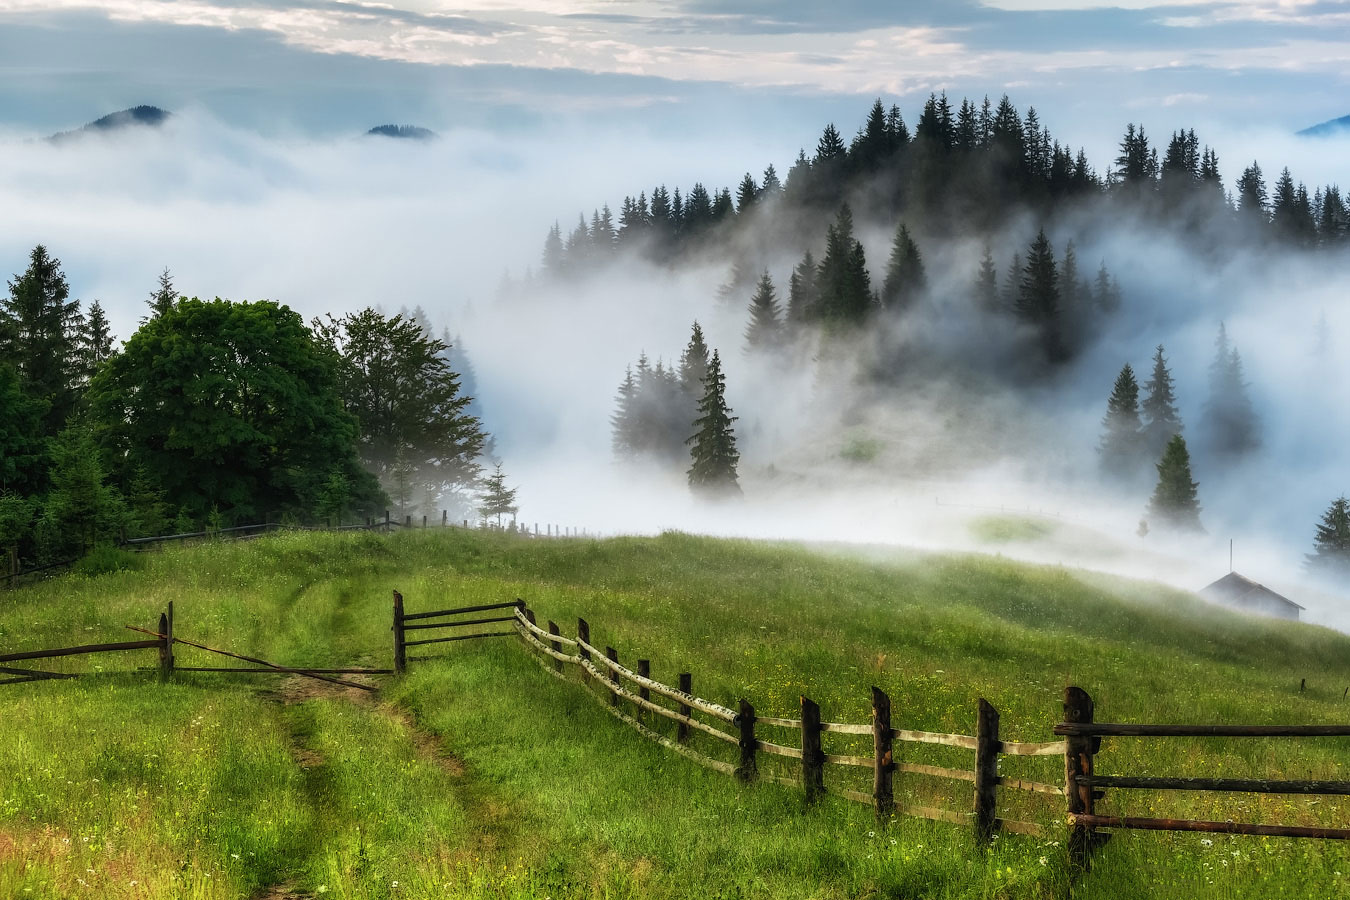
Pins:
x: 479, y: 775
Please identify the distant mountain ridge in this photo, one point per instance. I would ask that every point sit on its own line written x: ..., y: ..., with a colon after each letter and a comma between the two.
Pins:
x: 1328, y: 128
x: 132, y: 117
x: 407, y: 132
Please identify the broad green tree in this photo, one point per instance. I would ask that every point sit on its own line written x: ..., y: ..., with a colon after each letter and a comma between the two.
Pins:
x: 232, y: 407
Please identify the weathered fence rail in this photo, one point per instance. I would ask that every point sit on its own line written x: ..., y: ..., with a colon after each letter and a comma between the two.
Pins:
x: 601, y: 669
x: 1085, y: 786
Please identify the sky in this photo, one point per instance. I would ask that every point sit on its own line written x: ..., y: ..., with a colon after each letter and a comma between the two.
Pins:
x: 334, y: 66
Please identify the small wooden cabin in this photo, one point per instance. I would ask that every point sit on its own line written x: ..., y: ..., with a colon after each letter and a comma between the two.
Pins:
x: 1244, y: 594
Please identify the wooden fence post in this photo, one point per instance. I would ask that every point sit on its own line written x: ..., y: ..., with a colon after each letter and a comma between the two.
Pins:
x: 745, y: 721
x: 613, y: 656
x: 645, y: 670
x: 1079, y: 749
x: 553, y: 629
x: 445, y: 518
x: 165, y: 660
x: 883, y: 769
x: 687, y: 687
x: 987, y: 747
x: 584, y: 634
x: 424, y: 521
x: 529, y: 616
x: 813, y: 757
x: 400, y: 651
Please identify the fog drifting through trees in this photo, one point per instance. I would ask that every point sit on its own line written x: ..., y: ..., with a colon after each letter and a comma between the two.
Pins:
x: 339, y: 226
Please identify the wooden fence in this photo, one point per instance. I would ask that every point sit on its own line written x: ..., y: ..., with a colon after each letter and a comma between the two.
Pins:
x: 633, y: 696
x: 163, y: 640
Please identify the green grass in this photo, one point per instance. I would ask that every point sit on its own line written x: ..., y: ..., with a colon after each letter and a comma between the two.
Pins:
x: 1007, y: 529
x: 217, y: 787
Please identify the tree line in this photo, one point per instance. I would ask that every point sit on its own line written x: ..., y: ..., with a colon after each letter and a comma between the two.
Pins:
x: 215, y: 413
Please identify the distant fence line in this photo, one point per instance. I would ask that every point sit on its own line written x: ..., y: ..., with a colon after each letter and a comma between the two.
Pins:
x: 1079, y: 746
x: 247, y: 532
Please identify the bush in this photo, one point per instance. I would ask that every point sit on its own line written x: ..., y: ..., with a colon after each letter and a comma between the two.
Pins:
x: 105, y: 559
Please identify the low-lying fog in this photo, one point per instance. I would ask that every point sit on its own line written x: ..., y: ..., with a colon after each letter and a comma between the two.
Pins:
x: 337, y: 225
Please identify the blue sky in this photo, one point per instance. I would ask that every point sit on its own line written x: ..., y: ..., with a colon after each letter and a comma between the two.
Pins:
x: 334, y: 66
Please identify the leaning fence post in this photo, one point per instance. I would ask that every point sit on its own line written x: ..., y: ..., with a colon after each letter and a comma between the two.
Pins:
x: 745, y: 721
x: 583, y: 638
x: 987, y: 746
x: 644, y: 670
x: 165, y: 661
x: 557, y: 647
x: 1078, y: 709
x: 400, y: 650
x: 813, y: 757
x: 613, y: 656
x: 172, y: 658
x: 883, y: 768
x: 686, y: 687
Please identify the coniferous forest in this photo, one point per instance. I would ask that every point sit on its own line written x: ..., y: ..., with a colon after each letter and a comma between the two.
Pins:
x: 970, y: 247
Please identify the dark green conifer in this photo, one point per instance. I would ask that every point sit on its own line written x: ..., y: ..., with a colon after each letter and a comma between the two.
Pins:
x: 1331, y: 543
x: 905, y: 278
x: 1161, y: 419
x: 765, y: 329
x: 713, y: 445
x: 1174, y: 504
x: 1121, y: 443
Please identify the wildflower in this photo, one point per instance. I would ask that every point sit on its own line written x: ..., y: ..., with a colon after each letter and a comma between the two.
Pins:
x: 321, y: 889
x: 1044, y: 861
x: 1207, y: 842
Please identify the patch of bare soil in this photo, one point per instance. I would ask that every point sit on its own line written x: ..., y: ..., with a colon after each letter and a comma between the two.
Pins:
x: 282, y: 892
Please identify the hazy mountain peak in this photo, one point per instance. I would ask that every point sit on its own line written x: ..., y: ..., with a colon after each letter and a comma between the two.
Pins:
x: 1328, y: 128
x: 135, y: 116
x: 412, y: 132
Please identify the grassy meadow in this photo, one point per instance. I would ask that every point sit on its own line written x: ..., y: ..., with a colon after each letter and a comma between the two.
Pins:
x: 481, y: 775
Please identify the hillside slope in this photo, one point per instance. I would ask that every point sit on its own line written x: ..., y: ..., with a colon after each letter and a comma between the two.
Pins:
x: 479, y: 775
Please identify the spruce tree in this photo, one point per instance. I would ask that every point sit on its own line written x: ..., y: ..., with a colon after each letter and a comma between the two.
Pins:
x: 1121, y: 444
x: 713, y: 445
x: 986, y: 283
x: 96, y: 340
x: 1229, y: 421
x: 765, y: 329
x: 845, y: 286
x: 163, y: 297
x: 497, y: 500
x: 905, y: 278
x: 622, y: 439
x: 39, y: 336
x: 746, y: 194
x: 1174, y: 503
x: 1038, y: 299
x: 1161, y: 419
x: 1331, y: 543
x: 803, y: 294
x: 694, y: 365
x: 1252, y: 194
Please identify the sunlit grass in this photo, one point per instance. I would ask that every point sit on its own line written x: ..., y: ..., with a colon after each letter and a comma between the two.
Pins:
x: 213, y: 787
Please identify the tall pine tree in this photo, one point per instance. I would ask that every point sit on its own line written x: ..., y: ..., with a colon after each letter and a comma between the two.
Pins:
x: 1174, y: 504
x: 765, y: 329
x: 1161, y: 419
x: 905, y: 278
x: 1121, y: 443
x: 1229, y: 421
x: 1331, y: 543
x: 39, y: 336
x: 713, y: 445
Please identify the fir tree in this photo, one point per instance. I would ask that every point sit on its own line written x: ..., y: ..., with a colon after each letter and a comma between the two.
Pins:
x: 1174, y: 503
x: 1121, y: 438
x: 905, y: 278
x: 746, y: 194
x: 771, y: 186
x: 39, y: 336
x: 1012, y: 282
x: 844, y: 284
x: 1331, y: 543
x: 803, y: 294
x: 96, y: 340
x: 986, y: 283
x: 1252, y: 194
x: 163, y: 297
x: 1161, y: 420
x: 497, y: 500
x: 1229, y: 421
x: 713, y: 445
x: 765, y: 329
x: 694, y: 365
x: 622, y: 440
x: 1038, y: 296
